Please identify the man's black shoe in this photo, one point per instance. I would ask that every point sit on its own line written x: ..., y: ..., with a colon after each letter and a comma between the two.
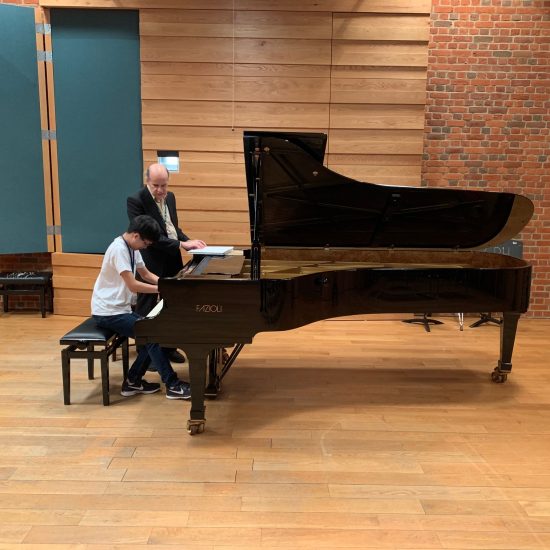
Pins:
x: 176, y: 357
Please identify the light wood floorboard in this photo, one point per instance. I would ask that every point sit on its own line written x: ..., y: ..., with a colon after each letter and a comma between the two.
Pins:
x: 368, y: 434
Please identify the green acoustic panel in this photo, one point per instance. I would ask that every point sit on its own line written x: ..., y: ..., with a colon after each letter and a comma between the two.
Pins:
x: 22, y: 206
x: 98, y: 117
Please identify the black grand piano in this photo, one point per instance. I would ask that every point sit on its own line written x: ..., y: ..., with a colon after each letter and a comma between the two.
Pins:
x: 324, y: 245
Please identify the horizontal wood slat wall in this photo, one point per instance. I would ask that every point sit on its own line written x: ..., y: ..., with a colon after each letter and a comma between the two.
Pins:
x: 372, y: 6
x: 355, y: 69
x: 74, y: 276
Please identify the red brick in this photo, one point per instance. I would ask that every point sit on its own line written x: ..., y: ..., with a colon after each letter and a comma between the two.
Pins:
x: 500, y: 120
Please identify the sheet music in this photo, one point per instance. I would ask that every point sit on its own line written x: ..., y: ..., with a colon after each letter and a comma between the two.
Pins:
x: 212, y: 250
x: 156, y: 310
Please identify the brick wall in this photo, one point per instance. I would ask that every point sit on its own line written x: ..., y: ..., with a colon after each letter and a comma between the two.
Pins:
x: 24, y: 262
x: 487, y: 119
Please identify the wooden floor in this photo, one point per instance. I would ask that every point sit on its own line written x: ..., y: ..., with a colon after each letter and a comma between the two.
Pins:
x: 343, y: 434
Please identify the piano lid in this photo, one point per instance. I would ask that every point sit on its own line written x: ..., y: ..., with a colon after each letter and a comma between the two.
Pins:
x: 295, y: 201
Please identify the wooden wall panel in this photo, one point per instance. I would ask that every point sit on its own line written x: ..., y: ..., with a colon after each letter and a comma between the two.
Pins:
x: 205, y: 198
x: 385, y: 169
x: 52, y: 126
x: 74, y: 276
x: 283, y: 24
x: 381, y: 142
x: 355, y: 70
x: 376, y: 116
x: 350, y: 84
x: 193, y: 49
x: 259, y: 24
x: 44, y: 125
x: 213, y: 231
x: 358, y: 52
x: 138, y: 4
x: 388, y: 174
x: 198, y: 49
x: 368, y: 6
x: 186, y: 138
x: 293, y: 51
x: 242, y: 88
x: 285, y: 89
x: 209, y: 174
x: 199, y: 157
x: 256, y: 70
x: 252, y: 115
x: 162, y: 22
x: 353, y: 26
x: 186, y: 87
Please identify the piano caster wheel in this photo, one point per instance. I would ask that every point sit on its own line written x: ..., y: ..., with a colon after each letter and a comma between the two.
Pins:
x: 195, y: 427
x: 498, y: 377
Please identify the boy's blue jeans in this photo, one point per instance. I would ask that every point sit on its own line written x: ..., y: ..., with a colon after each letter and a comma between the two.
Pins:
x: 124, y: 324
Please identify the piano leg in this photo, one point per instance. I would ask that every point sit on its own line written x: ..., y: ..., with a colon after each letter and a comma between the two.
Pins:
x: 508, y: 329
x: 212, y: 386
x: 197, y: 357
x: 215, y: 364
x: 219, y: 363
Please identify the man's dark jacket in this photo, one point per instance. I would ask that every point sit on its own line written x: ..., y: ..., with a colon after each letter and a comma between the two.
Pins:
x: 162, y: 258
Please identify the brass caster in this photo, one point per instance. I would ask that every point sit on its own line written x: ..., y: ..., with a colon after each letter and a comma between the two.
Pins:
x: 195, y: 427
x: 498, y: 377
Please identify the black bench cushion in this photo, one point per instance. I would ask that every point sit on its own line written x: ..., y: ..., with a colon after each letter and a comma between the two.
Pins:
x: 87, y: 332
x: 25, y: 278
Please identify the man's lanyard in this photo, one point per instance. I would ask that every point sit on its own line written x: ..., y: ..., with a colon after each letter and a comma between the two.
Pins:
x: 132, y: 254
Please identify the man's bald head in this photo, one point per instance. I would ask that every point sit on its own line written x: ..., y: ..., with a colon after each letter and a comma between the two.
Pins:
x: 156, y: 179
x: 156, y: 170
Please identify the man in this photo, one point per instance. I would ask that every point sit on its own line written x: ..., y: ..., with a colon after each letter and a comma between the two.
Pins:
x: 112, y: 298
x: 163, y: 258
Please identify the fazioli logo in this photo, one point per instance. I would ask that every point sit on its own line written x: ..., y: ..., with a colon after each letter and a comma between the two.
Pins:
x: 209, y: 308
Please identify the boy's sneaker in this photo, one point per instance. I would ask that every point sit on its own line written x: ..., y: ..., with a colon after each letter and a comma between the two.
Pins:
x: 132, y: 388
x: 180, y: 390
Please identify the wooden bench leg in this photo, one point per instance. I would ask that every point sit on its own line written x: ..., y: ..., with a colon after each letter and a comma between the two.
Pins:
x: 105, y: 377
x: 5, y: 300
x: 50, y: 297
x: 42, y: 301
x: 66, y: 374
x: 90, y: 348
x: 125, y: 358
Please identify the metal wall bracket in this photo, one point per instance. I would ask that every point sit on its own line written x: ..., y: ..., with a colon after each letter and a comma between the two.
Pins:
x: 45, y: 56
x: 53, y: 230
x: 43, y: 28
x: 49, y: 135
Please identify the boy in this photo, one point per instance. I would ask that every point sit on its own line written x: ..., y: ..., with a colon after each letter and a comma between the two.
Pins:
x: 114, y: 293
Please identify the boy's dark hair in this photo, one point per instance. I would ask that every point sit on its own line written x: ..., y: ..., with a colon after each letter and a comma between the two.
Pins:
x: 146, y: 227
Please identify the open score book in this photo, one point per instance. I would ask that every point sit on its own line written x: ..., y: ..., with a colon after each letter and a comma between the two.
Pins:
x: 212, y: 250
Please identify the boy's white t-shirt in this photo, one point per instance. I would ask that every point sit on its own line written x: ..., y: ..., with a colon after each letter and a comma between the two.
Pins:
x: 111, y: 296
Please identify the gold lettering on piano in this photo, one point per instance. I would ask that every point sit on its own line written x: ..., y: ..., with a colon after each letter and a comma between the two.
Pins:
x: 208, y: 308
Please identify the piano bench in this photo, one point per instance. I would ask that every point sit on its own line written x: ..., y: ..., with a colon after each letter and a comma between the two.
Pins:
x: 81, y: 343
x: 38, y: 283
